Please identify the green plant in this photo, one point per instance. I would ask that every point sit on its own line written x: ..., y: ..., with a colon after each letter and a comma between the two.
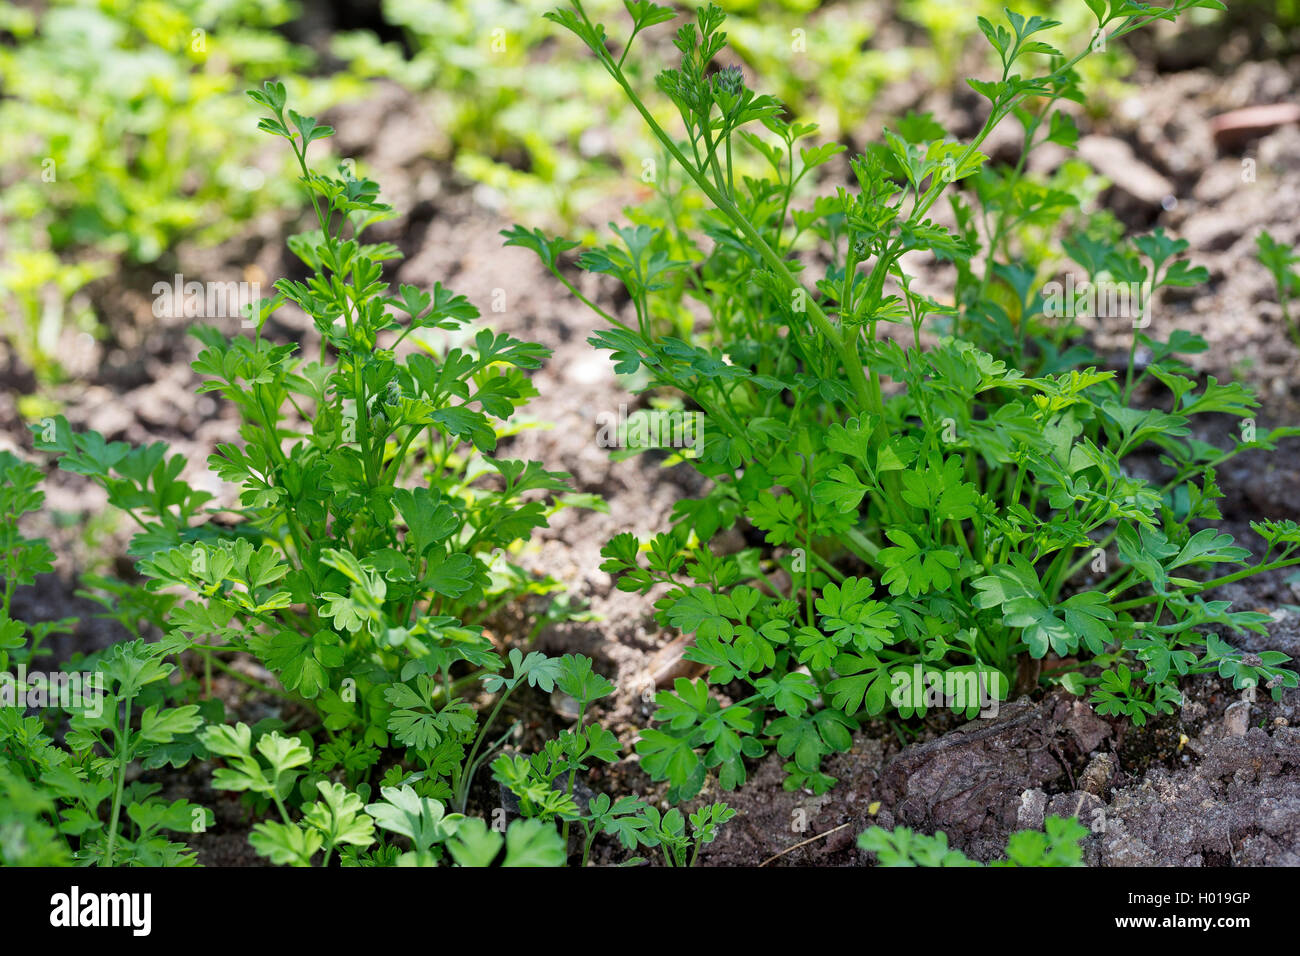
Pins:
x: 1056, y: 845
x: 29, y: 833
x: 357, y: 567
x: 342, y: 820
x: 27, y: 836
x: 334, y: 821
x: 668, y: 831
x: 925, y: 542
x: 1280, y: 261
x: 544, y: 784
x: 468, y: 840
x: 141, y: 144
x: 514, y: 108
x: 511, y: 114
x: 117, y: 712
x: 76, y: 781
x: 532, y: 779
x: 21, y: 560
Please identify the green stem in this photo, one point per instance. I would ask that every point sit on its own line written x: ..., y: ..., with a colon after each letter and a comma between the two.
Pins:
x: 462, y: 797
x: 123, y: 742
x: 848, y: 356
x: 279, y: 804
x: 573, y: 772
x: 1213, y: 583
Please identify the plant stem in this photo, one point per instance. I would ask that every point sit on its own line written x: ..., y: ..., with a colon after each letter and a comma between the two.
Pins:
x: 122, y: 739
x: 463, y: 796
x: 848, y: 356
x: 1213, y: 583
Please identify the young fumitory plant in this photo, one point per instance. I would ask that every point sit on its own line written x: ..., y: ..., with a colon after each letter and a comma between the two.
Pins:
x: 945, y: 490
x: 356, y: 565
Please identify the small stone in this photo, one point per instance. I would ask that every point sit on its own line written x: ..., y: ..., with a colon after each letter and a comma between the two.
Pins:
x: 564, y: 705
x: 1236, y: 719
x: 1097, y: 775
x: 1132, y: 179
x: 589, y: 370
x: 1124, y: 849
x: 1087, y: 728
x: 668, y: 664
x: 1029, y: 815
x: 1234, y: 129
x: 1080, y: 804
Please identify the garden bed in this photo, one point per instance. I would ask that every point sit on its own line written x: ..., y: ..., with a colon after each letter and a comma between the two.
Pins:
x: 1217, y: 783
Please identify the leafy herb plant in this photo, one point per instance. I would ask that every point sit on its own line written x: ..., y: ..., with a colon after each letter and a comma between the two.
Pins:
x: 948, y: 493
x: 21, y: 560
x: 359, y: 564
x: 80, y: 782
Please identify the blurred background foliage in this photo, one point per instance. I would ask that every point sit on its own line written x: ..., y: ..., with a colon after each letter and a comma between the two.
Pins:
x: 126, y: 130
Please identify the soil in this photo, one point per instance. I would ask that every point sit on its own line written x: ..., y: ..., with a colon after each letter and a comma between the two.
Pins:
x: 1217, y: 784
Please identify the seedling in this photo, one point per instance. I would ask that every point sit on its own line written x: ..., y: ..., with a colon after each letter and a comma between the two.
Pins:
x: 1055, y: 845
x: 78, y: 780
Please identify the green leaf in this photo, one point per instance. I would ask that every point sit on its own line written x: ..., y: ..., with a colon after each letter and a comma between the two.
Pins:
x: 533, y: 843
x: 285, y: 844
x: 913, y: 569
x: 473, y: 844
x: 339, y: 817
x: 162, y: 727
